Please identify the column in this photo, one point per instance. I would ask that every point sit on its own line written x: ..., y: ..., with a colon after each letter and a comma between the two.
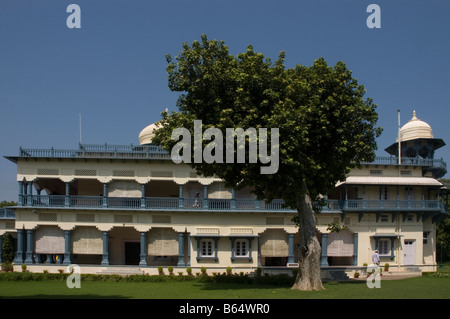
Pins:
x: 143, y: 255
x: 105, y: 256
x: 18, y: 260
x: 30, y: 247
x: 180, y: 197
x: 291, y: 249
x: 1, y: 250
x: 205, y: 197
x: 30, y: 194
x: 324, y: 257
x: 188, y: 264
x: 355, y: 249
x: 143, y: 196
x: 181, y: 250
x: 364, y: 196
x: 67, y: 248
x: 105, y: 195
x: 259, y: 251
x: 233, y: 199
x: 21, y: 201
x: 67, y: 198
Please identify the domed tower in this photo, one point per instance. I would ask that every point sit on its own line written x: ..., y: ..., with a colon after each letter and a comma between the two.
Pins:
x: 147, y: 134
x: 417, y: 141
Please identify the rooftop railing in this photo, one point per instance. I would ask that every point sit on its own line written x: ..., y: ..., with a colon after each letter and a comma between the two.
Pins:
x: 7, y: 213
x: 408, y: 161
x: 111, y: 151
x: 99, y: 151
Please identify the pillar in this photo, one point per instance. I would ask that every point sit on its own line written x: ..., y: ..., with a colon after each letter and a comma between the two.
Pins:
x: 233, y: 199
x: 1, y: 250
x: 30, y: 247
x: 18, y: 260
x: 181, y: 250
x: 324, y: 257
x: 291, y: 249
x: 21, y: 201
x: 67, y: 248
x: 105, y: 195
x: 105, y: 256
x: 188, y: 263
x: 259, y: 251
x: 143, y: 255
x: 143, y: 196
x: 180, y: 197
x: 67, y: 198
x: 30, y: 194
x: 355, y: 249
x: 205, y: 197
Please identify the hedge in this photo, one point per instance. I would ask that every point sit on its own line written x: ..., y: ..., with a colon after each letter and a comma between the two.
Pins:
x: 278, y: 280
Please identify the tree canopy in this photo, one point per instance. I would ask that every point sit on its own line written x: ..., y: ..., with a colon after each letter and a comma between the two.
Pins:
x: 325, y: 125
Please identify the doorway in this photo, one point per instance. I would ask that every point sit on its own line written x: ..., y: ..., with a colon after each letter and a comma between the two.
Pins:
x: 409, y: 252
x: 132, y: 253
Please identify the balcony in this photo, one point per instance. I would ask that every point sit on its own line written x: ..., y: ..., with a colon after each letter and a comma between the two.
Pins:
x: 361, y: 205
x: 7, y: 213
x: 215, y: 204
x: 151, y: 203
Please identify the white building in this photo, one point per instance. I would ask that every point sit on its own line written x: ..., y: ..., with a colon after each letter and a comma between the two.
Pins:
x: 104, y: 205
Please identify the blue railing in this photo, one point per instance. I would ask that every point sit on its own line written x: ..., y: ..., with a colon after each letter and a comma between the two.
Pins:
x: 408, y: 161
x: 7, y: 213
x: 111, y: 151
x: 215, y: 204
x: 105, y: 151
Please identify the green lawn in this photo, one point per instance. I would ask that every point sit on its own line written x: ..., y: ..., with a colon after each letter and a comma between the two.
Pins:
x: 420, y: 287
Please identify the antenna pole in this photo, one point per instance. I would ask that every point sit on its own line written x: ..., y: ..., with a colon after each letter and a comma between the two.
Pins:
x: 79, y: 116
x: 399, y: 141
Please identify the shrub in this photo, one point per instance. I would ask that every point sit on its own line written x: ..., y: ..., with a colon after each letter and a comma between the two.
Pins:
x: 203, y: 270
x: 7, y: 266
x: 356, y: 275
x: 229, y: 270
x: 24, y: 268
x: 170, y: 269
x: 189, y: 271
x: 8, y: 249
x: 386, y: 267
x: 160, y: 270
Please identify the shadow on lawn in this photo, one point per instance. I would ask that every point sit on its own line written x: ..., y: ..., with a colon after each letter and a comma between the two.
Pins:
x: 84, y: 296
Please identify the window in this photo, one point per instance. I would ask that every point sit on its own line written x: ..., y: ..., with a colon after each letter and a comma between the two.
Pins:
x: 384, y: 218
x: 376, y: 172
x: 242, y: 248
x: 426, y: 235
x: 384, y: 247
x: 207, y: 248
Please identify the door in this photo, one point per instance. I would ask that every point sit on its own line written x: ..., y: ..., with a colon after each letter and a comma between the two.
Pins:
x: 409, y: 252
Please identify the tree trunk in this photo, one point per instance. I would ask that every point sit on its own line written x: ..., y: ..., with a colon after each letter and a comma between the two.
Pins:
x: 308, y: 277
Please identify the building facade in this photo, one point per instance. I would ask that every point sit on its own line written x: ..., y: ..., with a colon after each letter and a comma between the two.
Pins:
x: 107, y: 205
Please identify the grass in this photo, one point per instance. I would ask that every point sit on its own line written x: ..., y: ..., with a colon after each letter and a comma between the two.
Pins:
x: 425, y: 287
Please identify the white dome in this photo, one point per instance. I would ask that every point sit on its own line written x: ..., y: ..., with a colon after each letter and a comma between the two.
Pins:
x: 146, y: 135
x: 415, y: 129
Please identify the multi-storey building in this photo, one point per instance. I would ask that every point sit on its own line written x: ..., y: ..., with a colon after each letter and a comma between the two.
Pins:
x: 104, y: 205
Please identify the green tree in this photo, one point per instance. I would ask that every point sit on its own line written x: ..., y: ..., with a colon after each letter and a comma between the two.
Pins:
x: 325, y: 127
x: 8, y: 248
x: 5, y: 203
x: 443, y: 230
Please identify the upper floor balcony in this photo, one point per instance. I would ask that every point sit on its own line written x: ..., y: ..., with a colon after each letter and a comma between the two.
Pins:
x: 215, y: 204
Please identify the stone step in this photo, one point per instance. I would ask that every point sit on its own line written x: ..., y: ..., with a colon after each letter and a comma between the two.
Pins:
x: 122, y: 271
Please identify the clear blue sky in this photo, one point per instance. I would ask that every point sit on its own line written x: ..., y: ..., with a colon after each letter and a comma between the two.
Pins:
x: 112, y: 70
